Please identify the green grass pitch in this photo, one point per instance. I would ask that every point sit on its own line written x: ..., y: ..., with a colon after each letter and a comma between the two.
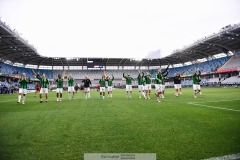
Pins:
x: 176, y: 128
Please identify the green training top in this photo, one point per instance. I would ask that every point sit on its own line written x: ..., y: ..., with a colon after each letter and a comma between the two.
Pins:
x: 163, y: 80
x: 165, y: 70
x: 148, y: 79
x: 102, y: 82
x: 140, y: 79
x: 158, y: 78
x: 110, y: 81
x: 163, y: 77
x: 128, y: 79
x: 196, y: 77
x: 59, y: 82
x: 199, y: 74
x: 70, y: 82
x: 144, y: 81
x: 23, y: 83
x: 43, y: 81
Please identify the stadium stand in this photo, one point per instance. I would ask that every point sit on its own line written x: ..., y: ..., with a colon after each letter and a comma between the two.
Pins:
x: 77, y: 74
x: 234, y: 80
x: 233, y: 62
x: 208, y: 66
x: 213, y: 80
x: 10, y: 70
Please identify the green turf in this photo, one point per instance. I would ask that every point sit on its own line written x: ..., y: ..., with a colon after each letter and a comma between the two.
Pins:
x: 173, y: 129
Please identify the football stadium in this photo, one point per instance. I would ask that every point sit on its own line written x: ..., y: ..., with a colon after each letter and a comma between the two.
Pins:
x: 180, y: 105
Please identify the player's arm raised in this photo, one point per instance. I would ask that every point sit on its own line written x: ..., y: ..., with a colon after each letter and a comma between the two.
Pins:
x: 199, y: 72
x: 34, y: 73
x: 124, y: 75
x: 166, y: 69
x: 38, y: 76
x: 165, y: 74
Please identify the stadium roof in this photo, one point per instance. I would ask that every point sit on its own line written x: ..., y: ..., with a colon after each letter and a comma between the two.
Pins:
x: 17, y: 50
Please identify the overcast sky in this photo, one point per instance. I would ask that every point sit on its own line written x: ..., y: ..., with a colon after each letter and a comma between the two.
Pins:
x: 116, y: 28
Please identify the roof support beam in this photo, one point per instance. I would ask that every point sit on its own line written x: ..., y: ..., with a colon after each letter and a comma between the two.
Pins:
x: 12, y: 54
x: 212, y: 45
x: 42, y: 61
x: 13, y: 46
x: 187, y: 57
x: 30, y: 59
x: 223, y: 46
x: 125, y: 62
x: 142, y: 63
x: 67, y: 62
x: 149, y: 63
x: 120, y: 62
x: 137, y: 64
x: 203, y: 53
x: 158, y: 62
x: 171, y: 60
x: 7, y: 36
x: 106, y: 63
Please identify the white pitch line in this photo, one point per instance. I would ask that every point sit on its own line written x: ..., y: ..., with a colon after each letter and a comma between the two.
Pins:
x: 227, y: 157
x: 220, y: 101
x: 214, y: 107
x: 7, y: 100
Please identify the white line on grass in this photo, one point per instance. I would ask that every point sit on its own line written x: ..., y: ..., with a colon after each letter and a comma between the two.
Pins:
x: 220, y: 100
x: 196, y: 104
x: 7, y: 100
x: 227, y: 157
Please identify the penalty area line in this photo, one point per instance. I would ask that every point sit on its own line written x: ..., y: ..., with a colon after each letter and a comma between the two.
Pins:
x: 7, y: 100
x: 227, y: 157
x: 196, y: 104
x: 220, y: 101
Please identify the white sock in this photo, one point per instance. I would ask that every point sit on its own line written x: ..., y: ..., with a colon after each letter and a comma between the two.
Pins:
x: 88, y: 94
x: 69, y: 95
x: 23, y: 99
x: 19, y: 98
